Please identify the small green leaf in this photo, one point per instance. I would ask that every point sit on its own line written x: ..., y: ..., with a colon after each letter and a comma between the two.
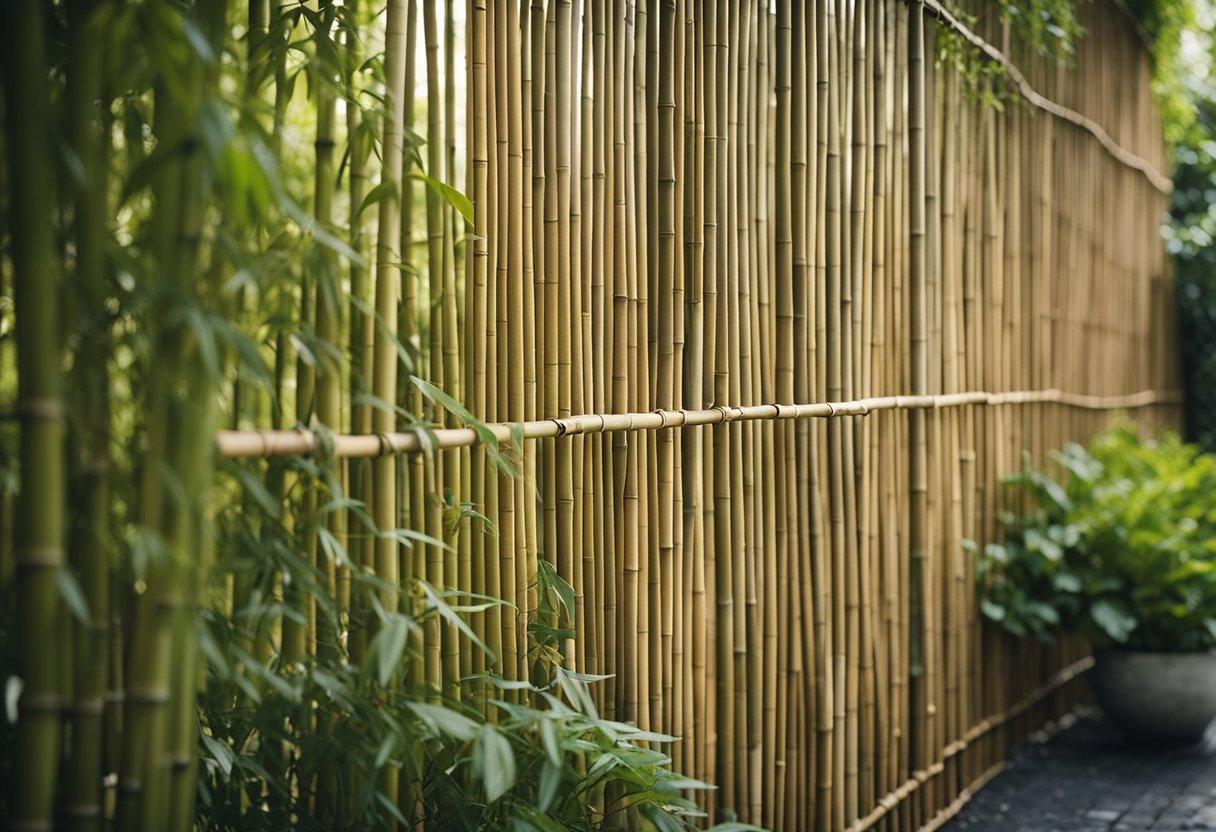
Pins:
x: 996, y: 552
x: 12, y: 694
x: 445, y: 721
x: 550, y: 580
x: 220, y: 752
x: 408, y: 537
x: 387, y: 746
x: 376, y: 194
x: 551, y: 778
x: 992, y: 610
x: 389, y: 645
x: 1114, y: 619
x: 450, y: 195
x: 549, y: 738
x: 435, y: 601
x: 493, y: 757
x: 662, y: 821
x: 528, y: 818
x: 1044, y: 612
x: 72, y: 594
x: 1066, y: 582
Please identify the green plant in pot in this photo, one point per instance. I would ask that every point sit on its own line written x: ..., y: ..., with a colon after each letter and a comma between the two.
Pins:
x: 1118, y: 543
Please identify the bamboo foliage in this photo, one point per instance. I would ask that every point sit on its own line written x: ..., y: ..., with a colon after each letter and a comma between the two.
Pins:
x: 761, y: 300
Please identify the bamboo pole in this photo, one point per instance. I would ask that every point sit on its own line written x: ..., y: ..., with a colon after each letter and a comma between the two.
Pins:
x: 919, y: 750
x: 383, y: 500
x: 39, y: 541
x: 89, y: 540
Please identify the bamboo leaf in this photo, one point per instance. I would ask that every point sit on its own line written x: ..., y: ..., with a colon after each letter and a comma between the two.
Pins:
x: 389, y: 645
x: 72, y: 595
x: 408, y: 537
x: 435, y: 602
x: 221, y: 754
x: 385, y: 190
x: 12, y: 694
x: 445, y: 720
x: 382, y: 328
x: 551, y: 742
x: 485, y: 436
x: 551, y: 779
x: 495, y: 761
x: 449, y: 195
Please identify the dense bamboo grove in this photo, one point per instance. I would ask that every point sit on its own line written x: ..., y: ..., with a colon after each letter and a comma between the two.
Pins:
x: 770, y: 296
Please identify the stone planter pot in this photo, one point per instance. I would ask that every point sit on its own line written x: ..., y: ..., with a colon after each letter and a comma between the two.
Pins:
x: 1158, y: 698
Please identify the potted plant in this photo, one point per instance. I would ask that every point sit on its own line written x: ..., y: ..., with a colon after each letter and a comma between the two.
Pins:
x: 1120, y: 547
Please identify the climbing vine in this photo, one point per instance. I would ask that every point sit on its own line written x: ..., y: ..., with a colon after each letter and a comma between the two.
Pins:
x: 1048, y: 28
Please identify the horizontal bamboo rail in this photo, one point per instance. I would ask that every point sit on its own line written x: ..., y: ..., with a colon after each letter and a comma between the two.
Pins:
x: 245, y: 444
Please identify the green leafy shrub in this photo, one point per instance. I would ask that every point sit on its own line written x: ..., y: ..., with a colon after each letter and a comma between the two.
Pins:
x: 1121, y: 546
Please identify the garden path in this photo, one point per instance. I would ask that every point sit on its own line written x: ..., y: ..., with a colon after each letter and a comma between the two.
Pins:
x: 1086, y: 779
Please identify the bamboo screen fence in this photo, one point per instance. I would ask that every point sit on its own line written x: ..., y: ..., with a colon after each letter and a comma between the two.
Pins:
x: 694, y: 226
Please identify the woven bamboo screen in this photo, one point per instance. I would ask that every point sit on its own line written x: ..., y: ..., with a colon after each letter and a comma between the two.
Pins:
x: 703, y: 222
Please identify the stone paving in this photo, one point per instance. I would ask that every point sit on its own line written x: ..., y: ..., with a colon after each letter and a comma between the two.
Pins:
x: 1087, y: 780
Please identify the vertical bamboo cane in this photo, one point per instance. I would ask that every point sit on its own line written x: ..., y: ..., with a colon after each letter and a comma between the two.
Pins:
x: 38, y: 546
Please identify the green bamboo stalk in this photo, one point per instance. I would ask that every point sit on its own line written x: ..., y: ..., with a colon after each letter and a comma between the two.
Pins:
x: 39, y: 537
x: 384, y: 358
x: 90, y: 551
x: 918, y: 741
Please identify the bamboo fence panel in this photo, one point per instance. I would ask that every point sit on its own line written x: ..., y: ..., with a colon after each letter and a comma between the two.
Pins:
x: 767, y: 299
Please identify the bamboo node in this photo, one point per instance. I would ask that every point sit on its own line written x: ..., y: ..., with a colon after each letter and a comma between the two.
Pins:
x: 39, y: 703
x: 93, y: 706
x: 30, y: 825
x: 152, y: 697
x: 46, y: 408
x: 85, y: 812
x: 40, y: 557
